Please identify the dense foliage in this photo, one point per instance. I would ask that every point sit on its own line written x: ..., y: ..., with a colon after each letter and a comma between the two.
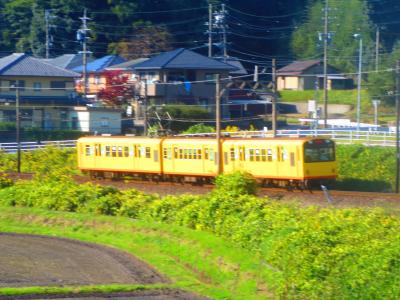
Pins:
x: 314, y: 253
x: 49, y: 161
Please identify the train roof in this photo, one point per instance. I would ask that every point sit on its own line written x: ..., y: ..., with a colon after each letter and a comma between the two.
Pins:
x: 191, y: 139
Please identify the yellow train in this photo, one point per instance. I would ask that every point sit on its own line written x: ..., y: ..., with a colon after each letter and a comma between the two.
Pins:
x: 272, y: 160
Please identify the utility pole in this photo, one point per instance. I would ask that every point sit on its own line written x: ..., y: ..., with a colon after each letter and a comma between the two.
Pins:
x: 224, y: 32
x: 47, y: 18
x: 377, y: 49
x: 82, y: 36
x: 18, y: 125
x: 274, y: 98
x: 397, y: 125
x: 326, y: 63
x: 145, y: 108
x: 210, y: 23
x: 218, y: 123
x: 360, y: 53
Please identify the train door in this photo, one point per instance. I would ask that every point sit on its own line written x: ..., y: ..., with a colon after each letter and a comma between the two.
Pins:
x: 284, y: 162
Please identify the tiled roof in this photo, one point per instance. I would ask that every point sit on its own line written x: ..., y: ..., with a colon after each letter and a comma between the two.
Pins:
x: 68, y: 61
x: 100, y: 64
x: 20, y: 64
x: 233, y: 61
x: 183, y: 59
x: 298, y: 67
x: 128, y: 65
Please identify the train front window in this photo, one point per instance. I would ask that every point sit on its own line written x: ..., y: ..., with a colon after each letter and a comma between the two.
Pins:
x: 319, y: 151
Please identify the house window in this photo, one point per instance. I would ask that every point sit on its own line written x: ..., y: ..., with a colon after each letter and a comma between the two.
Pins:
x: 13, y: 84
x: 104, y: 122
x: 210, y: 77
x: 97, y: 79
x: 175, y: 76
x: 59, y: 85
x: 37, y: 86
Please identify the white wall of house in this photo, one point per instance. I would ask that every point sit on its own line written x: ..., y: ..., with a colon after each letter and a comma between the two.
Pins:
x: 96, y: 120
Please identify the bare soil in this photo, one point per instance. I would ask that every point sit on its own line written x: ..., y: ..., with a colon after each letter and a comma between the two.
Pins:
x: 159, y: 294
x: 33, y: 260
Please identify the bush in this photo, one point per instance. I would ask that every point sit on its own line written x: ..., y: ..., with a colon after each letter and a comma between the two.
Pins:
x: 5, y: 181
x: 237, y: 183
x: 199, y: 128
x: 313, y: 253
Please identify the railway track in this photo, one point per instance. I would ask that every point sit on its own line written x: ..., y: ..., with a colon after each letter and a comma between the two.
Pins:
x: 336, y: 198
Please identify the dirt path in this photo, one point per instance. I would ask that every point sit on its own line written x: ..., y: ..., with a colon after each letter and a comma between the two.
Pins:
x: 160, y: 294
x: 31, y: 260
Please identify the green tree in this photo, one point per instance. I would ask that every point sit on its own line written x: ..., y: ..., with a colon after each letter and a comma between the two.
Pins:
x: 382, y: 85
x: 37, y: 33
x: 346, y: 18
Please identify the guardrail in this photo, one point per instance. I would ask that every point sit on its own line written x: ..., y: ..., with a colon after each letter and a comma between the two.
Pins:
x: 30, y: 146
x: 371, y: 138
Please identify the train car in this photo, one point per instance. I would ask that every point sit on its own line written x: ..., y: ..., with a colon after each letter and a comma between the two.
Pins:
x: 190, y: 157
x: 272, y: 160
x: 295, y: 160
x: 119, y: 155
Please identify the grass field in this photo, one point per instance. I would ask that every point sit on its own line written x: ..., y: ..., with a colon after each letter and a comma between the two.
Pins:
x: 195, y: 261
x: 335, y: 96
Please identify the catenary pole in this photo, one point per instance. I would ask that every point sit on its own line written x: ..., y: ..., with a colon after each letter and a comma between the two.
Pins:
x: 377, y: 49
x: 18, y: 125
x: 326, y: 11
x: 360, y: 54
x: 274, y: 98
x: 145, y: 108
x: 397, y: 125
x: 85, y: 30
x: 210, y: 27
x: 218, y: 122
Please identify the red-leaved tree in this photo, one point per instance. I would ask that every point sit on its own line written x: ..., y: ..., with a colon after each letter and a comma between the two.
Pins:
x: 117, y: 90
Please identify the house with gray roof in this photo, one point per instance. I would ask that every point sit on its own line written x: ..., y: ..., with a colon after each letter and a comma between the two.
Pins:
x: 180, y: 76
x: 68, y: 61
x: 44, y: 90
x: 308, y: 75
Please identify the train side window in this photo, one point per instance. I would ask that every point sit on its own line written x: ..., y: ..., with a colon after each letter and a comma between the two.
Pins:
x: 232, y: 154
x: 263, y: 154
x: 114, y: 151
x: 251, y: 154
x: 165, y: 153
x: 212, y: 156
x: 176, y: 153
x: 206, y: 153
x: 185, y: 154
x: 190, y: 156
x: 241, y: 153
x: 126, y: 151
x: 87, y: 150
x: 97, y: 150
x: 284, y: 154
x: 148, y: 154
x: 119, y: 151
x: 269, y: 154
x: 108, y: 150
x: 198, y: 153
x: 257, y: 155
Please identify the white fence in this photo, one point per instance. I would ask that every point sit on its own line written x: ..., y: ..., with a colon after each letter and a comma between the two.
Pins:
x: 29, y: 146
x: 371, y: 138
